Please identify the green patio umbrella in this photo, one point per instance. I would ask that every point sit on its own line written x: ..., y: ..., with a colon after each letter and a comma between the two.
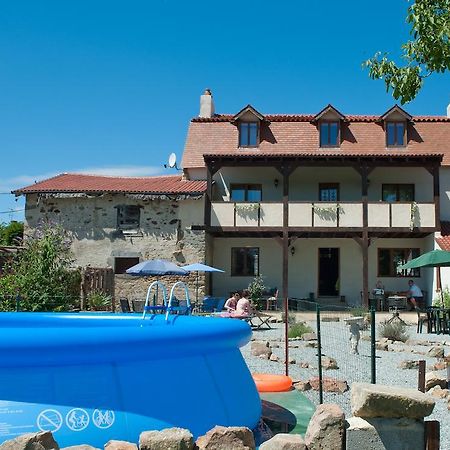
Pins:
x: 435, y: 258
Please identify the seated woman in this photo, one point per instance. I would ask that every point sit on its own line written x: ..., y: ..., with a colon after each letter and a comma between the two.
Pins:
x: 231, y: 303
x: 243, y: 307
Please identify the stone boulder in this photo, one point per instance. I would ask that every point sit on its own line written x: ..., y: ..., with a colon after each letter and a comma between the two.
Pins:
x: 261, y: 349
x: 384, y: 434
x: 226, y: 438
x: 408, y: 364
x: 120, y: 445
x: 274, y: 358
x: 309, y: 337
x: 440, y: 365
x: 329, y: 384
x: 283, y: 441
x: 329, y: 363
x: 302, y: 386
x: 438, y: 392
x: 326, y: 428
x: 167, y: 439
x: 435, y: 352
x: 33, y: 441
x: 435, y: 379
x: 375, y: 400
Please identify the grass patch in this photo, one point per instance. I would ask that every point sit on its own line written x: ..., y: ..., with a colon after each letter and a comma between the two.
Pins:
x: 299, y: 329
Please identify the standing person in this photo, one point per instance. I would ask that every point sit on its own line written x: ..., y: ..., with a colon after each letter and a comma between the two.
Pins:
x: 414, y: 294
x: 231, y: 303
x: 378, y: 295
x: 243, y: 307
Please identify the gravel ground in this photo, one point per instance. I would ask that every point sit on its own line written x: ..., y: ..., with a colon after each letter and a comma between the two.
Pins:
x: 335, y: 338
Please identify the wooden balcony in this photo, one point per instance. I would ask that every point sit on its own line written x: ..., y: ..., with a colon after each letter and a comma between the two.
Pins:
x: 324, y: 215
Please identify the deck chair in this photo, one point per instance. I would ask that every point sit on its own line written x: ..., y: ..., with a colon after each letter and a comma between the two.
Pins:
x: 138, y: 305
x: 125, y: 305
x: 259, y: 320
x: 220, y: 303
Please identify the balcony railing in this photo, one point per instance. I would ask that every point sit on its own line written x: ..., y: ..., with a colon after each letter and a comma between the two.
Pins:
x: 324, y: 215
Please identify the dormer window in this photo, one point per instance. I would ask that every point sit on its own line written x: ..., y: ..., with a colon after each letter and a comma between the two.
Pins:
x: 248, y: 134
x: 395, y: 125
x: 329, y: 134
x: 248, y: 121
x: 395, y: 134
x: 328, y: 122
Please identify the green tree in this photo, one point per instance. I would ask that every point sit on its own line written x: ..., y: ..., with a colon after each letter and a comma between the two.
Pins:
x: 11, y: 234
x: 426, y: 53
x: 42, y: 272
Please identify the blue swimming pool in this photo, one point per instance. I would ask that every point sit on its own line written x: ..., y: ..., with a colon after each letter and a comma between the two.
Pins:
x: 89, y: 378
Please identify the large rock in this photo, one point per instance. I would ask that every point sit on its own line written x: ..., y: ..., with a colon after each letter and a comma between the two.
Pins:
x: 120, y: 445
x: 33, y: 441
x: 329, y: 384
x: 259, y: 348
x: 226, y: 438
x: 326, y: 428
x: 284, y: 441
x: 384, y: 434
x: 408, y: 364
x: 329, y: 363
x: 375, y: 400
x: 435, y: 379
x: 309, y: 336
x: 167, y: 439
x: 435, y: 352
x: 302, y: 386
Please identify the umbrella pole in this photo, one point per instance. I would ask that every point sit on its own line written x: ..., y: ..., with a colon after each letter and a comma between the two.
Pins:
x: 196, y: 290
x: 440, y: 288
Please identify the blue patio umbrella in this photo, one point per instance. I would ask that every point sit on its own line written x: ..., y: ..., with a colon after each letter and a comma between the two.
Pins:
x: 156, y: 267
x: 199, y: 267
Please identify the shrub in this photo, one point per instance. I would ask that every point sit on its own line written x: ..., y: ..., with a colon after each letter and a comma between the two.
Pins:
x: 98, y: 301
x: 299, y: 329
x: 395, y: 331
x: 445, y: 297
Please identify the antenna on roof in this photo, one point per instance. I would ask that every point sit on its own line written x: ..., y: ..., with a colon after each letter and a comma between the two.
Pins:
x: 172, y: 163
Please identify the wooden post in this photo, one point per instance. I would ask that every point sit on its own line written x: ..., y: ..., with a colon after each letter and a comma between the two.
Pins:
x: 421, y: 381
x: 432, y: 435
x: 365, y: 237
x: 286, y: 264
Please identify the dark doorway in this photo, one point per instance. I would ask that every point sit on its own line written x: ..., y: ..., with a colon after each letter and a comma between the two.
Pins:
x: 328, y: 272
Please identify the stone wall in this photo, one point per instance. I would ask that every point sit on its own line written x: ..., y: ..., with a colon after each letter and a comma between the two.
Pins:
x: 91, y: 221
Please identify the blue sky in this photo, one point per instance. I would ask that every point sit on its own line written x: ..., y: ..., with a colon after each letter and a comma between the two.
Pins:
x: 110, y: 86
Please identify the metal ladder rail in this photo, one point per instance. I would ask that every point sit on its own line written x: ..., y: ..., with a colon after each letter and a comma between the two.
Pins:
x: 147, y: 307
x: 178, y: 308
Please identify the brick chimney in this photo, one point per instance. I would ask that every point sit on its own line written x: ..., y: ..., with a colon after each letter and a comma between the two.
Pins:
x: 206, y: 104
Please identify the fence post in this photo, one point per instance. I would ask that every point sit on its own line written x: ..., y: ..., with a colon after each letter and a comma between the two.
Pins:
x: 18, y: 302
x: 421, y: 381
x: 373, y: 349
x: 319, y: 354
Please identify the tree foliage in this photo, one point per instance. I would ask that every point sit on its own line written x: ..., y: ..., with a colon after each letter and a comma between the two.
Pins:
x: 42, y: 272
x: 11, y: 234
x: 427, y: 52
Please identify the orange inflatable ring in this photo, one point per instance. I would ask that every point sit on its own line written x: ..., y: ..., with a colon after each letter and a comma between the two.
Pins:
x: 266, y: 382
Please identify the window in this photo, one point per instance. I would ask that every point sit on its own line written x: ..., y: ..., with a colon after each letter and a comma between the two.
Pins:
x: 329, y: 134
x: 121, y: 264
x: 328, y: 192
x: 128, y: 217
x: 395, y: 134
x: 248, y: 134
x: 397, y: 193
x: 389, y: 259
x: 244, y: 261
x: 246, y: 192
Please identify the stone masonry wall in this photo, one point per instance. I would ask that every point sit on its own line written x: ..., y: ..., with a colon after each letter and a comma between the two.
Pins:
x: 91, y: 222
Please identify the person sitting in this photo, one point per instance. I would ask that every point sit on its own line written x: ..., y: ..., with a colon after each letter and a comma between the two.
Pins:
x: 231, y: 303
x: 243, y: 307
x: 414, y: 295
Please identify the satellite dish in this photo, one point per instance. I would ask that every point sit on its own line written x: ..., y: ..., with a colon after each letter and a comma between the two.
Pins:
x: 172, y: 160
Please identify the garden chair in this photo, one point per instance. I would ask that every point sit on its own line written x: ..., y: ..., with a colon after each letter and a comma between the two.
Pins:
x: 138, y: 305
x: 259, y: 320
x: 125, y: 305
x: 422, y: 317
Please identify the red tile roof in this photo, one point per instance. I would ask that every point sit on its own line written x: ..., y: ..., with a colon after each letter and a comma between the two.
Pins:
x: 444, y: 239
x: 295, y: 134
x: 76, y: 183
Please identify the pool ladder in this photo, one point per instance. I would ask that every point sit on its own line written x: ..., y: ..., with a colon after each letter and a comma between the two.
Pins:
x: 168, y: 307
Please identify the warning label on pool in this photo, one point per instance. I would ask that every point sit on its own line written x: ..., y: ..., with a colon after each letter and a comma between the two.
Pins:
x: 12, y: 421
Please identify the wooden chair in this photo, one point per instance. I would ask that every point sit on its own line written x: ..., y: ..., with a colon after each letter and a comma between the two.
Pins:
x: 422, y: 317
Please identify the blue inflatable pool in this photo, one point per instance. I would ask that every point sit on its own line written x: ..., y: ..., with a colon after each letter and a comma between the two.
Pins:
x: 89, y: 378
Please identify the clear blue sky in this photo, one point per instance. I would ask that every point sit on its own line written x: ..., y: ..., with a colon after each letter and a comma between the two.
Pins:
x: 110, y: 86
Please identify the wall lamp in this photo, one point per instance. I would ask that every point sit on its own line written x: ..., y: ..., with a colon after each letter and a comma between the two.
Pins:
x: 292, y: 251
x: 275, y: 182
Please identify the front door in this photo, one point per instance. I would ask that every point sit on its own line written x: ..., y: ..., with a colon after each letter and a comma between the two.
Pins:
x: 328, y: 272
